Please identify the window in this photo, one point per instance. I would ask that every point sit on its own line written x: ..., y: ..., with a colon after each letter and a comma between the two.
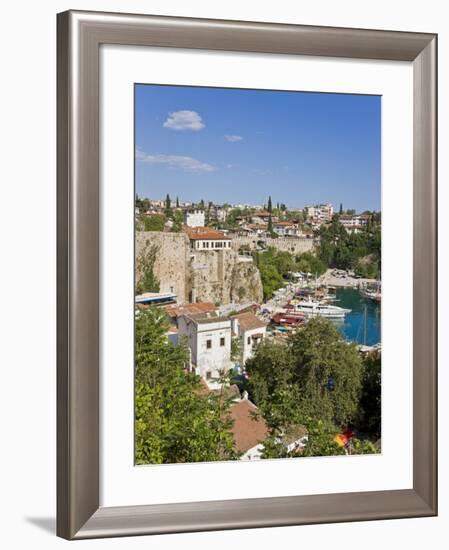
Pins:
x: 249, y: 340
x: 222, y: 342
x: 208, y: 375
x: 208, y: 344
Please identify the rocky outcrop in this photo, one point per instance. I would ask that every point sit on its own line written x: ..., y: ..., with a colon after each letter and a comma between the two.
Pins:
x: 246, y: 283
x: 217, y: 276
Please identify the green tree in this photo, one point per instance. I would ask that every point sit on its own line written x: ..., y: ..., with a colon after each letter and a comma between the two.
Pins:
x: 271, y: 279
x: 270, y: 206
x: 177, y: 202
x: 270, y: 272
x: 146, y: 279
x: 274, y: 265
x: 271, y: 385
x: 320, y: 440
x: 309, y: 263
x: 362, y: 447
x: 154, y: 222
x: 340, y: 211
x: 168, y: 210
x: 370, y: 402
x: 236, y: 348
x: 270, y: 227
x: 178, y: 220
x: 358, y: 251
x: 175, y: 420
x: 316, y: 375
x: 329, y: 372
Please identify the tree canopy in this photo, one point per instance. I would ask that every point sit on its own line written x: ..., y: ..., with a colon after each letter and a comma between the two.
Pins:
x: 359, y: 251
x: 175, y: 419
x: 146, y: 279
x: 314, y: 380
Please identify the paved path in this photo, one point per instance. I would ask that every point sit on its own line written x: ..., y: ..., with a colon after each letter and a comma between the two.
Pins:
x: 342, y: 281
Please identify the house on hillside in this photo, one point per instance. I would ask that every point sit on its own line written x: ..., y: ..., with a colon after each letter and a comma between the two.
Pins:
x: 175, y: 311
x: 251, y: 331
x: 209, y: 340
x: 355, y: 223
x: 287, y: 229
x: 206, y: 238
x: 248, y: 429
x: 319, y: 214
x: 194, y: 218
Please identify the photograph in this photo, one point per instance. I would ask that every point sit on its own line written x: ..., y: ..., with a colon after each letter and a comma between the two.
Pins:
x: 257, y: 274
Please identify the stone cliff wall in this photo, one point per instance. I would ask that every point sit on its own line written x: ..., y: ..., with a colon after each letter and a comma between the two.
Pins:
x: 246, y: 283
x: 172, y: 260
x: 293, y: 245
x: 218, y: 276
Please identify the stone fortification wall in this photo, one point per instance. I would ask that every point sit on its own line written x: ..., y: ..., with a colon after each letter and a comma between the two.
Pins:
x: 172, y: 260
x: 217, y: 276
x: 294, y: 245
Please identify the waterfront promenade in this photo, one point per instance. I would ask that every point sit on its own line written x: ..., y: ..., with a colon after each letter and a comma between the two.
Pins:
x: 343, y: 280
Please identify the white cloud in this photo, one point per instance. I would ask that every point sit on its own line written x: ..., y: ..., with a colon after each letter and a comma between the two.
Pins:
x: 184, y: 120
x: 232, y: 139
x: 189, y: 164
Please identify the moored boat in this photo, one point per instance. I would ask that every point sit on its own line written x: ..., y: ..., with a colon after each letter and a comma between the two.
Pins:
x: 311, y: 308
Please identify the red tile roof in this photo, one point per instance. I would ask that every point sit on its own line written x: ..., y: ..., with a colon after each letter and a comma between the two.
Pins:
x: 247, y: 431
x: 174, y: 311
x: 248, y: 321
x: 205, y: 233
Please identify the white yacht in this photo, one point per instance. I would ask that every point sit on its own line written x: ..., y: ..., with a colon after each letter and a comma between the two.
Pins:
x: 312, y: 309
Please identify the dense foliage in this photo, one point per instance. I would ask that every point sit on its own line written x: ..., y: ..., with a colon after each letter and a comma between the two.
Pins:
x: 370, y: 402
x: 153, y: 222
x: 358, y: 251
x: 315, y: 379
x: 309, y: 263
x: 146, y: 279
x: 275, y: 267
x: 176, y: 420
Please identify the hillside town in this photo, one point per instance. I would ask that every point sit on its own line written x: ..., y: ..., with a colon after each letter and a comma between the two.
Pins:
x: 231, y: 284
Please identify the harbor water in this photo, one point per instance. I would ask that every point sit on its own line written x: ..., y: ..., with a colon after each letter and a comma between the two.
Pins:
x: 362, y: 325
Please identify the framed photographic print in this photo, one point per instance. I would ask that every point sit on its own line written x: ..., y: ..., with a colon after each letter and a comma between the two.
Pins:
x: 246, y: 274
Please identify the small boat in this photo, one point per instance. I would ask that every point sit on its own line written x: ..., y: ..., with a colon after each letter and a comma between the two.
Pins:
x: 288, y: 319
x: 313, y: 309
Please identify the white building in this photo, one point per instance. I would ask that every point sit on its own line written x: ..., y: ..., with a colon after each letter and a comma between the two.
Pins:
x: 206, y: 238
x: 287, y: 229
x: 263, y: 217
x: 209, y: 340
x: 354, y: 223
x: 251, y: 330
x: 218, y: 213
x: 320, y: 213
x: 194, y: 218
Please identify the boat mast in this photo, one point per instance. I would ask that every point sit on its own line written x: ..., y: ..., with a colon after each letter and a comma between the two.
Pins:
x: 364, y: 328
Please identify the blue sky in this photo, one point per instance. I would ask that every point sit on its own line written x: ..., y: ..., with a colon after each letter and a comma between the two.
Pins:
x: 239, y: 146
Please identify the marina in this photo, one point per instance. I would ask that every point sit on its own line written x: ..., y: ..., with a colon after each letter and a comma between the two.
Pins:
x: 362, y: 325
x: 354, y: 310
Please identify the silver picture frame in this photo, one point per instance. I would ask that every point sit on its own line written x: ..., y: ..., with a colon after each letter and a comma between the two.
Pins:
x: 80, y: 35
